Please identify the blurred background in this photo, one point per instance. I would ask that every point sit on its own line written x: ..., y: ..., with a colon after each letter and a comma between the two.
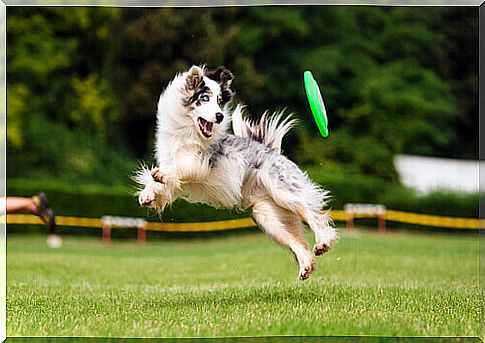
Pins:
x: 83, y: 85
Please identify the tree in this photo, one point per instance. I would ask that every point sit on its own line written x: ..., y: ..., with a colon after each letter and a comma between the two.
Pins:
x: 61, y: 110
x: 83, y: 83
x: 152, y: 45
x: 376, y: 67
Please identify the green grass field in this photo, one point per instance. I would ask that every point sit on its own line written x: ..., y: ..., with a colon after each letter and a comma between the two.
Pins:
x: 244, y: 285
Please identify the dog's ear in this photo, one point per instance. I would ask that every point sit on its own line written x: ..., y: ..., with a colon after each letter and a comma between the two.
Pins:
x: 194, y: 77
x: 221, y: 75
x: 224, y: 77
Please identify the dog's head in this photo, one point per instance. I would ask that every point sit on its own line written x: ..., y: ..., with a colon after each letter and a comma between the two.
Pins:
x: 207, y: 94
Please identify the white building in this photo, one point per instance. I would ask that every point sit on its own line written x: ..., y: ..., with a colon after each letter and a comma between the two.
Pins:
x: 426, y: 174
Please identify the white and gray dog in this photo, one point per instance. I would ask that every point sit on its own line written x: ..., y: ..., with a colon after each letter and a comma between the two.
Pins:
x: 198, y: 160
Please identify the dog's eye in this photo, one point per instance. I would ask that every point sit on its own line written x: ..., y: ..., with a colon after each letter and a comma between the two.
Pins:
x: 204, y: 98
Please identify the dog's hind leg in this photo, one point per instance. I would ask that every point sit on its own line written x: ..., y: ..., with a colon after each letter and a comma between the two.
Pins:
x: 304, y: 200
x: 301, y: 205
x: 325, y: 234
x: 285, y: 228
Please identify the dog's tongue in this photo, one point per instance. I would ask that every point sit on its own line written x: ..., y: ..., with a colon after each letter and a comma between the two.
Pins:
x: 206, y: 127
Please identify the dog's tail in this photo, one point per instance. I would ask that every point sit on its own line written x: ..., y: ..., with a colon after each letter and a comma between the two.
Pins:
x: 269, y: 129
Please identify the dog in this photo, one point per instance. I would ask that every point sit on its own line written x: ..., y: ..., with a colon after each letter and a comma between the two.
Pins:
x: 198, y: 160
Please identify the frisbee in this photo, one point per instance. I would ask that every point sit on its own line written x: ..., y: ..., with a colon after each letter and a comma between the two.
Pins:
x: 316, y: 102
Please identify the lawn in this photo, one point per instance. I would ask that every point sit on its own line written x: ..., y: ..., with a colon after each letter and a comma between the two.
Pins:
x: 388, y: 285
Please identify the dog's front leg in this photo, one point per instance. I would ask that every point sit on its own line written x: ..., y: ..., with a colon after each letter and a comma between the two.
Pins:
x: 192, y: 169
x: 188, y: 168
x: 168, y: 182
x: 157, y: 175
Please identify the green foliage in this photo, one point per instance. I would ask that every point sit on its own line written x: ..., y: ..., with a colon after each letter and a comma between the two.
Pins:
x: 152, y: 45
x: 61, y: 110
x: 94, y: 107
x: 395, y: 80
x: 51, y: 151
x: 460, y: 67
x: 392, y: 103
x: 94, y: 200
x: 347, y: 187
x: 16, y: 110
x: 35, y: 52
x: 403, y: 108
x: 438, y: 202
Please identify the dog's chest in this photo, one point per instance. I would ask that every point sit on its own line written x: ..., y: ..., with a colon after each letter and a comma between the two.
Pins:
x: 221, y: 188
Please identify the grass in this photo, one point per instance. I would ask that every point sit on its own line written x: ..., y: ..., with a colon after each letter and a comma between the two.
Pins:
x: 243, y: 285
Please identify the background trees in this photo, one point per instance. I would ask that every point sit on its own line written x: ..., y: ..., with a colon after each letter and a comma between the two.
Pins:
x: 83, y: 82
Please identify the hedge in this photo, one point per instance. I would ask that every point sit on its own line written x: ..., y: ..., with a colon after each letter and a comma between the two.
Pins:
x: 97, y: 200
x: 358, y: 188
x: 92, y: 200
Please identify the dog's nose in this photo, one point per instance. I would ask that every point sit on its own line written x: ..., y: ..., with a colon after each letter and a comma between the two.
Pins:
x: 219, y: 117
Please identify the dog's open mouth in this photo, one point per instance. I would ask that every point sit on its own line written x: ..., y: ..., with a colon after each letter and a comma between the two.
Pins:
x: 205, y: 127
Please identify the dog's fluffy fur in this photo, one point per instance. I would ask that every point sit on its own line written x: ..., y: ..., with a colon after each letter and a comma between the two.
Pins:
x: 197, y: 159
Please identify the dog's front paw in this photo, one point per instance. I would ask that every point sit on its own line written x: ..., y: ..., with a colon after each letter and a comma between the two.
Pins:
x: 157, y: 175
x: 146, y: 199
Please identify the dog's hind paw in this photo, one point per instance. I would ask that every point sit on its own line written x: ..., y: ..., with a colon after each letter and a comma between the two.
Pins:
x: 306, y: 271
x: 321, y: 248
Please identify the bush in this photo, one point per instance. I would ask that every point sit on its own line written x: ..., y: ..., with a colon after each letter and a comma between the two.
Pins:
x: 439, y: 203
x: 345, y: 187
x: 92, y: 200
x: 52, y: 151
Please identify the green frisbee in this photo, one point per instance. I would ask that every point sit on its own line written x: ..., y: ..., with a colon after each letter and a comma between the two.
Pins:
x: 316, y: 102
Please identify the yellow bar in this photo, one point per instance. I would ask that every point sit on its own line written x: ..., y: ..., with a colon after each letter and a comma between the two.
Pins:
x: 337, y: 215
x: 202, y: 226
x: 23, y: 219
x: 437, y: 221
x: 60, y: 220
